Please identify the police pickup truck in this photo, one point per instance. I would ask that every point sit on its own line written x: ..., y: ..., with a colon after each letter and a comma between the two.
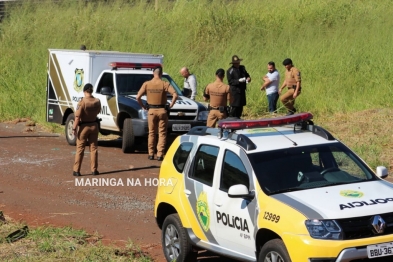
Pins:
x: 117, y: 78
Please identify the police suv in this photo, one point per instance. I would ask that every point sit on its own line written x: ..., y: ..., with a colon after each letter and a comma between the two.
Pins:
x: 279, y: 189
x: 117, y: 78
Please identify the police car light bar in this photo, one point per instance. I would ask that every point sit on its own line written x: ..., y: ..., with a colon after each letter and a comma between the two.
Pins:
x: 266, y: 122
x: 116, y: 65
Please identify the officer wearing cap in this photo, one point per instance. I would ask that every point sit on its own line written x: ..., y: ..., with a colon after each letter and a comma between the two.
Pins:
x: 237, y: 79
x: 86, y: 118
x: 218, y: 94
x: 293, y: 83
x: 156, y: 93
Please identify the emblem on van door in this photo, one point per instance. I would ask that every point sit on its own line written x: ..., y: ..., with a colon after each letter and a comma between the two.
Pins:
x: 203, y: 212
x: 378, y: 224
x: 79, y: 79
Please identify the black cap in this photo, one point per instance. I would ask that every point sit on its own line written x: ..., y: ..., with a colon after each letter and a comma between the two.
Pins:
x: 88, y: 87
x: 220, y: 72
x: 235, y: 59
x: 287, y: 61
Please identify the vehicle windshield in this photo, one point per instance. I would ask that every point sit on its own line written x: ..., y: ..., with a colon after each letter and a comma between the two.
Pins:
x: 302, y: 168
x: 129, y: 84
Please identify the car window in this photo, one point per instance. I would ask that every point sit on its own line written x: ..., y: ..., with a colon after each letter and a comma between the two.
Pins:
x: 181, y: 156
x: 106, y: 81
x: 167, y: 78
x: 204, y: 164
x: 308, y: 167
x: 233, y: 172
x: 129, y: 84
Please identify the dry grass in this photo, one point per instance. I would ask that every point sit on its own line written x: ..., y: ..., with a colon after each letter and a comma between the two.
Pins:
x: 366, y: 132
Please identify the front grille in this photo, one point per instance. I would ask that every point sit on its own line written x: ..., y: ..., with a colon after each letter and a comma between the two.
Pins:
x: 360, y: 227
x: 183, y: 114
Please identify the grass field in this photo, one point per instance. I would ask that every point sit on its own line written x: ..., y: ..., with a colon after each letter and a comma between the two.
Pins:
x: 342, y: 48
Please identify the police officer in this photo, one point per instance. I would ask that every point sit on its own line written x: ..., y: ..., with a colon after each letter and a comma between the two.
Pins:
x: 218, y: 94
x: 293, y: 82
x: 237, y: 79
x: 156, y: 92
x: 86, y: 118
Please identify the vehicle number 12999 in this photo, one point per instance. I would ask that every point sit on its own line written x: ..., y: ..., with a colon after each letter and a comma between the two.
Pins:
x: 380, y: 250
x: 272, y: 217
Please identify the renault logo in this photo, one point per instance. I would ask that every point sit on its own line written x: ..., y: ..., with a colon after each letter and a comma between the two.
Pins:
x: 378, y: 224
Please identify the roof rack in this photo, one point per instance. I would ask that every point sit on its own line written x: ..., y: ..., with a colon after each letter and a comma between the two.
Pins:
x: 227, y: 126
x: 317, y: 130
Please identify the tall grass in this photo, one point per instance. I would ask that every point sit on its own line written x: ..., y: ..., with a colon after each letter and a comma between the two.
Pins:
x: 343, y: 48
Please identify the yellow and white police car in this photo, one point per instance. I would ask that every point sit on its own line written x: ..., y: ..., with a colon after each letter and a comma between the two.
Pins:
x: 279, y: 190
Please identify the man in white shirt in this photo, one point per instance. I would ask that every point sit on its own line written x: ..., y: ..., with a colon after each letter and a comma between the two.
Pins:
x: 190, y: 83
x: 271, y: 82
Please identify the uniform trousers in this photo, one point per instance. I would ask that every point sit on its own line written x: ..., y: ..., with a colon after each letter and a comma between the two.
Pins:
x: 87, y: 132
x: 214, y: 116
x: 157, y: 119
x: 288, y: 100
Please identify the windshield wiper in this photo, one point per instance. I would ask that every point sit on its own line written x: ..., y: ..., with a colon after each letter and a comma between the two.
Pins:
x: 340, y: 183
x: 285, y: 190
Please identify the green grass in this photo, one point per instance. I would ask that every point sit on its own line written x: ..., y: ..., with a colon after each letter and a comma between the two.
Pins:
x: 343, y: 49
x: 62, y: 244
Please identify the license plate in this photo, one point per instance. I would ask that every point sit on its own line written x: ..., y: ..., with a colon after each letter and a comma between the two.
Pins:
x: 181, y: 127
x: 380, y: 250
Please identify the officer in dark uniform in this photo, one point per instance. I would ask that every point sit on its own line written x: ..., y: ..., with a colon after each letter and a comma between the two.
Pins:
x: 293, y: 82
x: 156, y: 92
x: 86, y: 118
x: 218, y: 94
x: 237, y: 80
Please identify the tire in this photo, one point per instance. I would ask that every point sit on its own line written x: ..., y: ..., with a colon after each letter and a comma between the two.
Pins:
x: 128, y: 140
x: 175, y: 242
x: 274, y: 251
x: 71, y: 138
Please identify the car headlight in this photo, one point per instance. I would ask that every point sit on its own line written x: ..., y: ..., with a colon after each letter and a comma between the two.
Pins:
x: 324, y: 229
x: 142, y: 114
x: 202, y: 116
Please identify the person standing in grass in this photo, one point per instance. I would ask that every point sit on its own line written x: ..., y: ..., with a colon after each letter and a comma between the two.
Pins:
x: 271, y: 82
x: 293, y: 82
x: 238, y: 78
x: 190, y: 83
x: 218, y: 94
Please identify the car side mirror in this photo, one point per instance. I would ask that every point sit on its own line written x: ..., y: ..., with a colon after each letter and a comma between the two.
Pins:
x: 106, y: 91
x: 240, y: 191
x: 382, y: 171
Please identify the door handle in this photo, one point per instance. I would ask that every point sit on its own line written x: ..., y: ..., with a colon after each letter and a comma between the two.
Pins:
x: 218, y: 204
x: 187, y: 192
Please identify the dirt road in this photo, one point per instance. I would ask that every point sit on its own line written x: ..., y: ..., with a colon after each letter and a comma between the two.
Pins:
x: 37, y: 186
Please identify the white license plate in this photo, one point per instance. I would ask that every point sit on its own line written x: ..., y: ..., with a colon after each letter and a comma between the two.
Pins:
x: 181, y: 127
x: 380, y: 250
